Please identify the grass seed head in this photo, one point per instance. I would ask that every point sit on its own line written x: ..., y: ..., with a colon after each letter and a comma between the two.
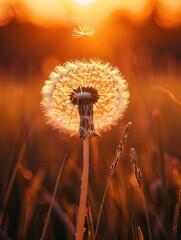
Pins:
x: 136, y: 169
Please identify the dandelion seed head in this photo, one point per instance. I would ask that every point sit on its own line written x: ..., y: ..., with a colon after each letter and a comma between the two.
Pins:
x: 95, y: 85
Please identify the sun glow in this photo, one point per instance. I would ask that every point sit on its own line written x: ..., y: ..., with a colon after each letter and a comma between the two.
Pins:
x: 84, y: 1
x: 78, y: 11
x: 48, y: 12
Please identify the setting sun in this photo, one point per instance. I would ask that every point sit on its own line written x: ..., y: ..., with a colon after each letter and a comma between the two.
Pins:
x: 84, y: 1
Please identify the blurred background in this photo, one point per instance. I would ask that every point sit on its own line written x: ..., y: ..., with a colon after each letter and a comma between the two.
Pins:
x: 142, y: 38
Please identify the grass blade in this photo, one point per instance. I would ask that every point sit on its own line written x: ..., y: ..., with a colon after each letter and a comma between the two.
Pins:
x: 53, y: 199
x: 118, y: 156
x: 135, y: 235
x: 140, y: 234
x: 176, y: 217
x: 138, y: 176
x: 90, y: 222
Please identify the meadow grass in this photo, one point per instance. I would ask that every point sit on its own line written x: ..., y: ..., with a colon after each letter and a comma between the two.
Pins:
x: 26, y: 194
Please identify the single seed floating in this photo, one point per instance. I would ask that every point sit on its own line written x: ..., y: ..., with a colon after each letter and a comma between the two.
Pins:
x: 84, y: 98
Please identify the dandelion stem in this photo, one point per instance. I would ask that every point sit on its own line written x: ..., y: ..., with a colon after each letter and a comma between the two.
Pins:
x: 84, y: 39
x: 84, y: 190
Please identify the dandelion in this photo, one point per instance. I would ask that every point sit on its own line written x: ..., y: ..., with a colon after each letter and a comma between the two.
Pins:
x: 86, y: 97
x: 83, y: 31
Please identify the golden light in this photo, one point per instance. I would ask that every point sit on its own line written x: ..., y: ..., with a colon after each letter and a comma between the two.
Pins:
x: 48, y: 12
x: 69, y: 11
x: 169, y: 13
x: 84, y: 1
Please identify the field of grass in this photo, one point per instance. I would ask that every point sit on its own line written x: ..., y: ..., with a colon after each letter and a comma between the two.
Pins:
x: 32, y: 154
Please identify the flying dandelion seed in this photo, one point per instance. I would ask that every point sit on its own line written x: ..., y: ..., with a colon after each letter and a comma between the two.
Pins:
x: 84, y: 96
x: 83, y: 31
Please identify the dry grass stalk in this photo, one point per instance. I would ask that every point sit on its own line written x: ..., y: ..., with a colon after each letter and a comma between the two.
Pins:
x: 176, y: 216
x: 113, y: 168
x: 30, y: 202
x: 101, y: 207
x: 169, y: 93
x: 120, y: 147
x: 140, y: 234
x: 62, y: 216
x: 160, y: 152
x: 134, y: 230
x: 136, y: 169
x: 90, y: 222
x: 15, y: 170
x: 138, y: 176
x: 53, y: 199
x: 13, y: 176
x: 158, y: 221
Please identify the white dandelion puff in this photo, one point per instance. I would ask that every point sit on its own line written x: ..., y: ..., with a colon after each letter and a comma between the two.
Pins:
x: 84, y: 97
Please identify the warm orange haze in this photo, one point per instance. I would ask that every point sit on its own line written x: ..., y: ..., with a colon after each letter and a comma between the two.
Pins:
x: 53, y: 12
x: 84, y: 1
x: 106, y: 75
